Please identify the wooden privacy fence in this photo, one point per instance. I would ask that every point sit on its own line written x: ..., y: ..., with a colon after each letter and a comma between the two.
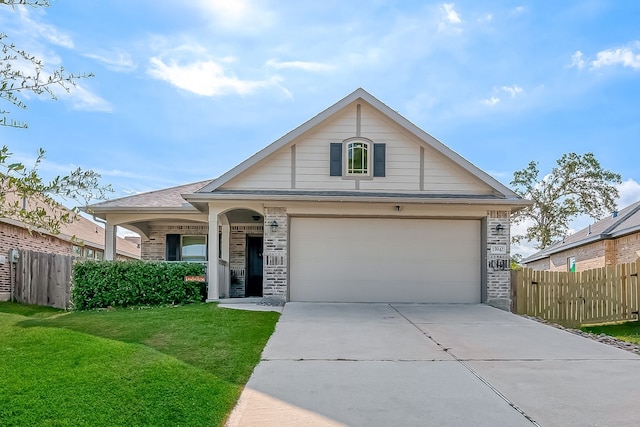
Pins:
x: 602, y: 295
x: 43, y: 279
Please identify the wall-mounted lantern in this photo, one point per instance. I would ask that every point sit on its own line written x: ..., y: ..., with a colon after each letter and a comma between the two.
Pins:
x: 499, y: 229
x: 274, y: 226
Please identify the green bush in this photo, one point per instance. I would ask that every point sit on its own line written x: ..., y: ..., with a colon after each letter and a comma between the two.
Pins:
x: 100, y: 284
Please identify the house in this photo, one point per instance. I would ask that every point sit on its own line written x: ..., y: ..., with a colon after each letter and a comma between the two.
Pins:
x: 612, y: 240
x: 357, y: 204
x: 82, y: 238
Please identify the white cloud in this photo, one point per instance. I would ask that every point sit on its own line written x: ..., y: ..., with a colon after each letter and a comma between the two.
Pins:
x: 491, y: 101
x: 577, y: 60
x: 49, y: 32
x: 629, y: 193
x: 248, y: 16
x: 512, y: 90
x: 450, y: 15
x: 300, y: 65
x: 117, y: 60
x: 83, y: 99
x: 206, y: 78
x: 626, y: 56
x: 518, y: 10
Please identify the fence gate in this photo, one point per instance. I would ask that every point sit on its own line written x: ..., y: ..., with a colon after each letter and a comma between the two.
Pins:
x: 43, y: 279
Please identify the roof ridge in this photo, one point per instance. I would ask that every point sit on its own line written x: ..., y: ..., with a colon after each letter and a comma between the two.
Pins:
x: 622, y: 219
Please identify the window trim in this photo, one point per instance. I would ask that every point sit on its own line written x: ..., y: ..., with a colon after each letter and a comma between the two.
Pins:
x: 192, y: 259
x: 366, y: 152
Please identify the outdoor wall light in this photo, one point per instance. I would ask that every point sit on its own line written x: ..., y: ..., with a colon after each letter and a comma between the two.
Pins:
x: 499, y: 228
x: 274, y: 226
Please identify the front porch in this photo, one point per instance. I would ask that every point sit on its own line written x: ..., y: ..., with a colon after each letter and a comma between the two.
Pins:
x: 244, y: 251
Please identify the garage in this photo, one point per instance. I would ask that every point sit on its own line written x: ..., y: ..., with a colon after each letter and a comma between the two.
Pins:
x: 385, y: 260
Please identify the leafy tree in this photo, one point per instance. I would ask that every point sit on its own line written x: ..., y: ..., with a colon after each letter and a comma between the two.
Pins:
x: 14, y: 80
x: 24, y: 194
x: 577, y: 185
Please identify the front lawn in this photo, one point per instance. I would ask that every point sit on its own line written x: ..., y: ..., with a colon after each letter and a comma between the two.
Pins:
x: 629, y: 331
x: 168, y: 366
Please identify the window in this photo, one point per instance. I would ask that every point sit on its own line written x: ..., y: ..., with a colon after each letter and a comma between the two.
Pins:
x: 89, y: 253
x: 358, y: 158
x: 186, y: 248
x: 363, y: 159
x: 571, y: 264
x: 99, y: 255
x: 76, y: 250
x: 193, y: 248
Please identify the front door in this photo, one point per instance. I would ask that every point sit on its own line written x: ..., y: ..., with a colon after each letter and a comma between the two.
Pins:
x: 253, y: 286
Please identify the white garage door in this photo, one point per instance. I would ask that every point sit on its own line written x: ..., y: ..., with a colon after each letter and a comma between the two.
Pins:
x: 385, y: 260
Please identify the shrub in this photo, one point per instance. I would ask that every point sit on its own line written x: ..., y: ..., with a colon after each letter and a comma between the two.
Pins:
x: 100, y: 284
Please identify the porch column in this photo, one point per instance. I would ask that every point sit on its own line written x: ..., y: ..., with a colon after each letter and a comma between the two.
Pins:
x: 110, y: 241
x: 213, y: 290
x: 224, y: 254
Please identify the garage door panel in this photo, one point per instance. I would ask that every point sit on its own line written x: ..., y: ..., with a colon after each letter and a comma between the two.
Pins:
x: 385, y: 260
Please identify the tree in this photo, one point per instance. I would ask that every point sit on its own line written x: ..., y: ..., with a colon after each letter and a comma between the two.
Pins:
x: 577, y: 185
x: 24, y: 194
x: 14, y: 80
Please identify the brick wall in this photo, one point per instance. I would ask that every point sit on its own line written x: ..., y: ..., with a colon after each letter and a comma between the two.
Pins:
x: 498, y: 270
x: 276, y: 255
x: 154, y: 248
x: 627, y: 248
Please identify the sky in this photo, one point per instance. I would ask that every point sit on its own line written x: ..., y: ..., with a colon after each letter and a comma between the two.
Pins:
x: 184, y: 91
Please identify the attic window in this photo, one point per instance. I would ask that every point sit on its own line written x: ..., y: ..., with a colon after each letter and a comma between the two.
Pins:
x: 358, y: 158
x: 363, y: 159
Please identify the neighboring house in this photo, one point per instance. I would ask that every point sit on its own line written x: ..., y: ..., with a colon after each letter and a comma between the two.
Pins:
x: 82, y: 238
x: 612, y: 240
x: 357, y: 204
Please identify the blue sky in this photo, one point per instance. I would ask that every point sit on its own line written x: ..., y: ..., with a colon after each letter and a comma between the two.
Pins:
x: 184, y: 91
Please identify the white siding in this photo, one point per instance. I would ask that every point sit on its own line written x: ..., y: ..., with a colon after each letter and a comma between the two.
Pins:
x: 272, y: 173
x: 403, y: 174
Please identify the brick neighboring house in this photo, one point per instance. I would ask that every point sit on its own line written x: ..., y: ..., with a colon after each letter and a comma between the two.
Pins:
x: 355, y: 205
x: 82, y: 238
x: 612, y: 240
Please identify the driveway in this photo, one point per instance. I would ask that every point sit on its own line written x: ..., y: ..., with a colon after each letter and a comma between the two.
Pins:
x: 434, y: 365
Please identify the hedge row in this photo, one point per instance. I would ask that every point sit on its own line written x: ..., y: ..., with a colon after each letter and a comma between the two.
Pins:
x: 100, y: 284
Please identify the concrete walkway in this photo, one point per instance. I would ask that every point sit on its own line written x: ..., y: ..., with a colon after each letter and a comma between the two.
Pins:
x: 434, y: 365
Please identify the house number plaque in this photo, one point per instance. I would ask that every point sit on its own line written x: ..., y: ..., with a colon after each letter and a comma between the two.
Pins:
x: 498, y: 249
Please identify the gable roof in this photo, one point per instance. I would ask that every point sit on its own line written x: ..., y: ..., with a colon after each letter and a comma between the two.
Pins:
x: 166, y: 198
x: 618, y: 224
x: 361, y: 94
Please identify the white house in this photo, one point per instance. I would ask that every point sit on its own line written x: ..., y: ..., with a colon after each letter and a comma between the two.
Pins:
x: 357, y: 204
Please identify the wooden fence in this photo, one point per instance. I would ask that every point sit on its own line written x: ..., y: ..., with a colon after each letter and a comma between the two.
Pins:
x: 43, y: 279
x: 602, y: 295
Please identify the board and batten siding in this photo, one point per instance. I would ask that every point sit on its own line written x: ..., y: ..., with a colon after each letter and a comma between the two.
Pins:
x: 273, y: 173
x: 405, y: 155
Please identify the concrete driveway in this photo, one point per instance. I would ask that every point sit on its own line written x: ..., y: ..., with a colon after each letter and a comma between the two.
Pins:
x: 434, y: 365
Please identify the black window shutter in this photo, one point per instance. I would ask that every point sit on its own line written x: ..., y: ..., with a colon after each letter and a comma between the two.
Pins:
x: 379, y: 159
x: 173, y: 247
x: 335, y: 159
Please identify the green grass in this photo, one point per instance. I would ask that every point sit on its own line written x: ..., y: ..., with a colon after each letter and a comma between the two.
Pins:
x: 168, y: 366
x: 629, y: 331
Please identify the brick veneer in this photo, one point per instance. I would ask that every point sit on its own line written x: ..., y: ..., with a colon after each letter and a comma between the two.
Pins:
x: 276, y: 255
x: 498, y: 275
x: 154, y: 247
x: 594, y: 255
